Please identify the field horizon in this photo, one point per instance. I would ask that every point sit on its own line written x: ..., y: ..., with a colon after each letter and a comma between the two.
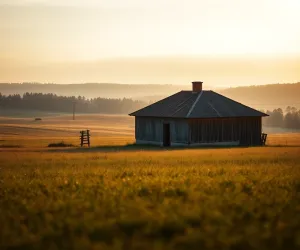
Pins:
x: 106, y: 130
x: 214, y: 85
x: 266, y: 97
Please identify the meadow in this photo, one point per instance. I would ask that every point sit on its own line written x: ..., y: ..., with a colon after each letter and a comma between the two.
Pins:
x: 121, y: 197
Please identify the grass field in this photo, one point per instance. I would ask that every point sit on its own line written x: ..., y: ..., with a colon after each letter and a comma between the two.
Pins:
x: 28, y: 133
x: 143, y: 198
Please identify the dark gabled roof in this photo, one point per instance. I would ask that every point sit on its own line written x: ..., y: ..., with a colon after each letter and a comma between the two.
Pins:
x: 204, y: 104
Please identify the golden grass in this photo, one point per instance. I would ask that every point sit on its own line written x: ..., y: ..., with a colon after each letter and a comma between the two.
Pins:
x: 105, y: 130
x: 241, y: 198
x: 292, y: 139
x: 143, y: 197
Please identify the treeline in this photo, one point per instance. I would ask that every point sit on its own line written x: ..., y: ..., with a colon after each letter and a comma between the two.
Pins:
x: 92, y: 90
x: 288, y: 118
x: 265, y: 97
x: 278, y: 118
x: 54, y: 103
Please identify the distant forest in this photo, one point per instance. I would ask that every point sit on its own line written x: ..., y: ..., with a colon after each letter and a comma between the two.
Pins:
x: 54, y: 103
x: 278, y: 118
x: 267, y: 97
x: 288, y: 118
x: 93, y: 90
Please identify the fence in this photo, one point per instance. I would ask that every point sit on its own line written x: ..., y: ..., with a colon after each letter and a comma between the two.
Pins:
x: 85, y: 138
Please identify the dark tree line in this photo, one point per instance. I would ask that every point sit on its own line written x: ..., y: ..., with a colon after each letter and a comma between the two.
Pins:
x: 290, y: 118
x: 54, y: 103
x: 278, y: 118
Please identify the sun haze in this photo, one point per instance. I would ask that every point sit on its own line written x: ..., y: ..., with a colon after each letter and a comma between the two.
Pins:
x: 132, y: 40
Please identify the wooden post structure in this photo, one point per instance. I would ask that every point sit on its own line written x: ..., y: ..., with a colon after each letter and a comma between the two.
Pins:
x: 74, y: 105
x: 85, y: 138
x: 263, y: 139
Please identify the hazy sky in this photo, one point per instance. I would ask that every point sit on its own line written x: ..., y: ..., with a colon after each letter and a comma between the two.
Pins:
x: 43, y: 32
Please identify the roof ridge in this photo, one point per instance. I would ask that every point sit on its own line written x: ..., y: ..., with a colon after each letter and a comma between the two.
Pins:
x: 194, y: 104
x: 212, y: 106
x: 182, y: 104
x: 202, y: 104
x: 131, y: 114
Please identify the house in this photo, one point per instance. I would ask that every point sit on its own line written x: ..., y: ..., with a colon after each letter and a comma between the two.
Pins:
x: 198, y: 117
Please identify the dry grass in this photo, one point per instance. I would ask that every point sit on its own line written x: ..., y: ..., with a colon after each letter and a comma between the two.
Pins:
x: 145, y: 198
x: 179, y: 199
x: 105, y: 130
x: 292, y: 139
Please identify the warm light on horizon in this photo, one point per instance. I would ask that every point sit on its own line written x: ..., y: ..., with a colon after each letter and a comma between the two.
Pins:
x: 43, y: 32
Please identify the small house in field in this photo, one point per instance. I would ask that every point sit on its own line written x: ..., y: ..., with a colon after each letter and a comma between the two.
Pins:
x: 198, y: 117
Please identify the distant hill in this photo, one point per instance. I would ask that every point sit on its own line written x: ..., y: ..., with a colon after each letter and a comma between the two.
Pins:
x: 263, y: 97
x: 266, y: 97
x: 92, y: 90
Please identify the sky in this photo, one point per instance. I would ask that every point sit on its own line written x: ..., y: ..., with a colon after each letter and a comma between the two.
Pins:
x: 58, y: 36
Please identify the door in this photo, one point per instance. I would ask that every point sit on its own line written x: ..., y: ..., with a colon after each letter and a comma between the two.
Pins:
x: 166, y: 135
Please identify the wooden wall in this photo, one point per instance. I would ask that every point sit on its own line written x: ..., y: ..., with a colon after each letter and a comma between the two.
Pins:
x: 246, y: 130
x: 151, y: 129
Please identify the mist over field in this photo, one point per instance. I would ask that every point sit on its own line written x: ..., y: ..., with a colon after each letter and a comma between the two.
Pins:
x: 279, y: 101
x: 89, y: 160
x: 266, y: 97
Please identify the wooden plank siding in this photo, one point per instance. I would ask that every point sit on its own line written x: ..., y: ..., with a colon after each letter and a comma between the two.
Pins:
x: 243, y: 130
x: 151, y: 129
x: 246, y: 130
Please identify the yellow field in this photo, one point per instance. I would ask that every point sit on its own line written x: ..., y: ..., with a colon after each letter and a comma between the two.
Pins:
x: 105, y: 130
x: 130, y: 197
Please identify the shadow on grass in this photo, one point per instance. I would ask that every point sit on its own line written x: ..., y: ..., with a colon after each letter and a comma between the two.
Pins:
x: 10, y: 146
x: 136, y: 147
x: 59, y: 145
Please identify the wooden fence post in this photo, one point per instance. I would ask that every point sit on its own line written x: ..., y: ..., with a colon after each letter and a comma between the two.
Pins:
x: 88, y: 137
x: 85, y: 138
x: 263, y: 139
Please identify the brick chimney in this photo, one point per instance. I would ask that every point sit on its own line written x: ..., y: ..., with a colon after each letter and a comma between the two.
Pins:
x: 197, y: 86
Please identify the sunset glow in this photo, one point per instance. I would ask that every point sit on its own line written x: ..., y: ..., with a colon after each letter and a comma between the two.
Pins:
x: 43, y: 32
